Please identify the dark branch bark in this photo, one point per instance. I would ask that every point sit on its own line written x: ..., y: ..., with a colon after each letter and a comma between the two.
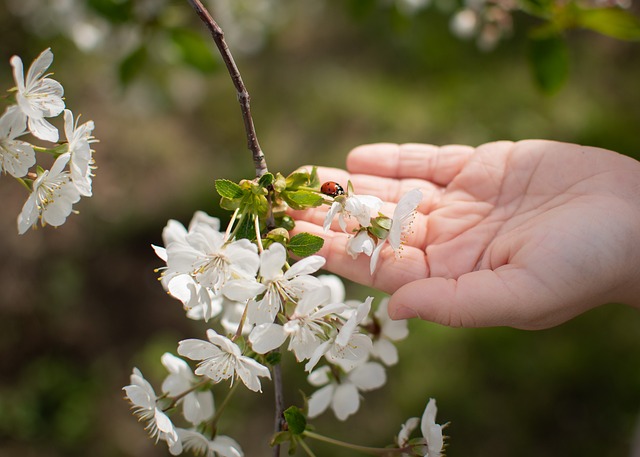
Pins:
x: 243, y: 96
x: 279, y: 404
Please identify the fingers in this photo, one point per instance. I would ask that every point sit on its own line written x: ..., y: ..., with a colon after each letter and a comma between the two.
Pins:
x: 437, y: 164
x: 390, y: 274
x: 507, y: 296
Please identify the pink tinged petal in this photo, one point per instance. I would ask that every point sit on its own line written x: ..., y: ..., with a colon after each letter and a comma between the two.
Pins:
x: 320, y: 400
x: 266, y: 337
x: 272, y: 260
x: 346, y: 401
x: 386, y: 351
x: 306, y: 266
x: 197, y: 349
x: 197, y: 407
x: 226, y: 447
x: 368, y: 376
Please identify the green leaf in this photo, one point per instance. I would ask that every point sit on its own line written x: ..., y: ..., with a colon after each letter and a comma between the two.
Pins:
x: 132, y: 65
x: 266, y: 180
x: 314, y: 180
x: 550, y: 61
x: 194, y: 49
x: 297, y: 179
x: 302, y: 199
x: 228, y: 189
x: 228, y: 204
x: 116, y: 12
x: 280, y: 438
x: 305, y: 244
x: 280, y: 183
x: 295, y: 419
x: 613, y: 22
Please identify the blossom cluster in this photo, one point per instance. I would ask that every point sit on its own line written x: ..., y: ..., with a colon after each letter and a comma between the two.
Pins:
x: 258, y: 305
x: 53, y: 192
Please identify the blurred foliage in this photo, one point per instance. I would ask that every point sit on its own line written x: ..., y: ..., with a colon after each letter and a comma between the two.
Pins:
x: 80, y: 305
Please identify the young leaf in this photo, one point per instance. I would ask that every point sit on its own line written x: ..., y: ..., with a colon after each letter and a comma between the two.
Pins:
x: 613, y: 22
x: 228, y: 189
x: 302, y: 199
x: 266, y: 180
x: 550, y: 61
x: 297, y: 179
x: 295, y: 419
x: 305, y: 244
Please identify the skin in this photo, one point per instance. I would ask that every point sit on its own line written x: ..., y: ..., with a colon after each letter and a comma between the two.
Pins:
x: 526, y: 234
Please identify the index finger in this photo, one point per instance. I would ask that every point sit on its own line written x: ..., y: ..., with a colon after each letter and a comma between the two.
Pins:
x: 437, y: 164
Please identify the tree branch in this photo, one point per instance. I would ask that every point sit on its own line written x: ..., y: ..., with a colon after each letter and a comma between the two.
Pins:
x: 279, y: 404
x: 259, y: 161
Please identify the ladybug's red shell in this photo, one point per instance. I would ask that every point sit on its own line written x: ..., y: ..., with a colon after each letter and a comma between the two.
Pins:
x: 332, y: 189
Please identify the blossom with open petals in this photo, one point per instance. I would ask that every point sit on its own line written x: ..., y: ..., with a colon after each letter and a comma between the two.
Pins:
x: 400, y: 222
x: 51, y: 199
x: 81, y: 161
x: 38, y: 96
x: 388, y: 331
x: 143, y: 398
x: 344, y: 395
x: 16, y: 157
x: 220, y: 358
x: 359, y: 207
x: 197, y: 406
x: 433, y: 439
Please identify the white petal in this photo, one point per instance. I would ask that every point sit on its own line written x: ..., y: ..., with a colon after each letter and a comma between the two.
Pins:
x: 243, y: 289
x: 249, y: 371
x: 386, y: 351
x: 306, y: 266
x: 346, y: 400
x: 272, y: 260
x: 431, y: 431
x: 197, y: 349
x: 406, y: 430
x: 139, y: 396
x: 198, y: 407
x: 43, y: 129
x: 368, y: 376
x: 402, y: 216
x: 226, y: 447
x: 320, y: 401
x: 320, y: 376
x: 266, y: 337
x: 336, y: 286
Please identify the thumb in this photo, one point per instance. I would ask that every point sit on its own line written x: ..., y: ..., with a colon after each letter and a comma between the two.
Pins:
x: 506, y: 296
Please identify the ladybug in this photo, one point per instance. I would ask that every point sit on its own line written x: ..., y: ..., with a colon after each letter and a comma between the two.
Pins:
x: 332, y: 188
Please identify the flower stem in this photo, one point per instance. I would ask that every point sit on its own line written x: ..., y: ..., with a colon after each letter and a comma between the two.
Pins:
x: 307, y: 449
x: 355, y: 447
x: 178, y: 397
x: 223, y: 405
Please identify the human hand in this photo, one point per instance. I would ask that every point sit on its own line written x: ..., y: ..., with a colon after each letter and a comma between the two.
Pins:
x: 526, y: 234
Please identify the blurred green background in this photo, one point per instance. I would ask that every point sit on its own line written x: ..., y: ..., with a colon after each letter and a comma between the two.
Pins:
x: 81, y: 305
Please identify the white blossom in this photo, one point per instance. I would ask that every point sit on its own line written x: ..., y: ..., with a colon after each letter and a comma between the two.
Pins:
x: 38, y: 96
x: 143, y: 398
x: 361, y: 243
x: 199, y: 445
x: 222, y: 359
x: 197, y: 406
x: 433, y: 439
x: 400, y: 222
x: 281, y: 286
x: 360, y: 207
x: 81, y: 162
x: 388, y: 331
x: 343, y: 396
x: 51, y: 199
x: 16, y: 157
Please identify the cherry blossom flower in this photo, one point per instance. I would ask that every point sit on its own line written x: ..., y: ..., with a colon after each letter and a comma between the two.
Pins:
x: 433, y: 440
x: 81, y: 162
x: 388, y: 331
x: 16, y: 157
x: 282, y: 286
x: 400, y: 222
x: 38, y: 96
x: 199, y: 445
x: 143, y: 398
x: 360, y: 207
x: 52, y: 197
x: 222, y: 359
x: 360, y: 243
x: 197, y: 406
x: 344, y: 395
x: 306, y: 327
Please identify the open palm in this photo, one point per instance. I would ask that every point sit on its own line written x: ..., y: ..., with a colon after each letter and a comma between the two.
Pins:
x: 525, y: 234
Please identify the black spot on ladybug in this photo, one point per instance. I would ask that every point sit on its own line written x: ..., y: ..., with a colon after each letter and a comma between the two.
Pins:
x: 332, y: 188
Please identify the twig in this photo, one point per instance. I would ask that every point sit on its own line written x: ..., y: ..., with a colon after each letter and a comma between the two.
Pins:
x: 259, y: 161
x: 279, y: 404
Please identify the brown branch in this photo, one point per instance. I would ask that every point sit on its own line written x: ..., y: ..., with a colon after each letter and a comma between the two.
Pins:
x: 243, y: 96
x: 279, y: 404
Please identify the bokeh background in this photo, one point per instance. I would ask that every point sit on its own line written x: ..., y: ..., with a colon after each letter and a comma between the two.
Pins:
x: 80, y: 305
